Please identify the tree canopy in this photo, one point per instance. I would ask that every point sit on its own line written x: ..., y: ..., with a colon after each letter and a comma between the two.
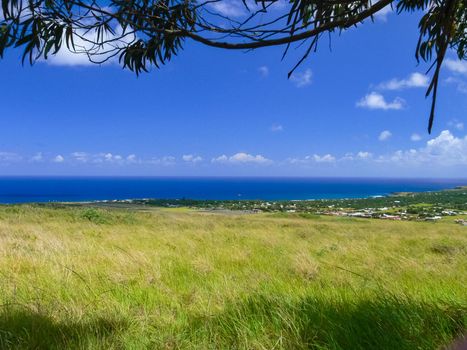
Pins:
x: 145, y: 33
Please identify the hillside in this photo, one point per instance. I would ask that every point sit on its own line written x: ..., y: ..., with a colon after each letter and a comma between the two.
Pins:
x: 87, y: 278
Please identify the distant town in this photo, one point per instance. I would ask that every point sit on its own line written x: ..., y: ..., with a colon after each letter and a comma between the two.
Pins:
x: 423, y: 206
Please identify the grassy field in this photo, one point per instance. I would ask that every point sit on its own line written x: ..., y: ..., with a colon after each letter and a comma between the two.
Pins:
x: 81, y: 278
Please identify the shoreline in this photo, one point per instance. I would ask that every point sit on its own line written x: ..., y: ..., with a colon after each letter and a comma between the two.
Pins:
x: 329, y: 199
x: 81, y: 190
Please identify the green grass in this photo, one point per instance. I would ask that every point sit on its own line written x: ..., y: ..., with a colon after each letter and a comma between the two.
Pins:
x: 85, y: 278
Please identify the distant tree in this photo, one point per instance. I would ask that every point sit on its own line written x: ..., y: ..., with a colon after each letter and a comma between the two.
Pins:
x: 144, y: 33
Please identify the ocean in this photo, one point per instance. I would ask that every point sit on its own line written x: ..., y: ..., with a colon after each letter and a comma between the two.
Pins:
x: 74, y: 189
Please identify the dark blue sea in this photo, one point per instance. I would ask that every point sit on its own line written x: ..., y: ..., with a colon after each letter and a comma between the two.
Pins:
x: 73, y: 189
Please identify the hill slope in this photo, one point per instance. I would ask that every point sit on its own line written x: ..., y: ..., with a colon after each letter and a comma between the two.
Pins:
x: 115, y: 279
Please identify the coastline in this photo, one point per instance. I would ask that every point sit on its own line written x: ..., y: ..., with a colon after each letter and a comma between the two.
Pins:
x: 80, y: 190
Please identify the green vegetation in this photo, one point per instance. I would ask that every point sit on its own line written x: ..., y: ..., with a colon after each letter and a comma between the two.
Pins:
x: 410, y: 206
x: 95, y: 278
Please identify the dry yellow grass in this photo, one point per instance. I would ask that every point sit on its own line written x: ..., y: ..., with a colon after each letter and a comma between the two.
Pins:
x: 86, y: 278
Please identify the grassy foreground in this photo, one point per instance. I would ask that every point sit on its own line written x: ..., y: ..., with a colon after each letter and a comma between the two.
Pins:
x: 81, y: 278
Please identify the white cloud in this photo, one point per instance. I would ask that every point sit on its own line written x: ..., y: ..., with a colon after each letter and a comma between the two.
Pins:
x: 108, y: 157
x: 236, y: 8
x: 276, y: 128
x: 384, y: 135
x: 99, y: 158
x: 364, y: 155
x: 447, y: 147
x: 80, y: 156
x: 78, y: 57
x: 229, y: 8
x: 327, y: 158
x: 221, y: 159
x: 242, y: 158
x: 456, y: 66
x: 263, y: 71
x: 66, y: 57
x: 443, y: 150
x: 437, y: 154
x: 59, y: 159
x: 413, y: 81
x: 301, y: 79
x: 190, y: 158
x: 314, y: 158
x: 375, y: 100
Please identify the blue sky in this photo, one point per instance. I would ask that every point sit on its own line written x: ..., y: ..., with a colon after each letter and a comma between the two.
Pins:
x: 356, y: 110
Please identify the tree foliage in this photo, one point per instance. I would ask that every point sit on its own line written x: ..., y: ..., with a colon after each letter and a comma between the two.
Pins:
x: 145, y: 33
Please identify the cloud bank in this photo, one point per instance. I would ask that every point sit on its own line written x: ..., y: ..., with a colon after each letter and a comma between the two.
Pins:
x: 438, y: 155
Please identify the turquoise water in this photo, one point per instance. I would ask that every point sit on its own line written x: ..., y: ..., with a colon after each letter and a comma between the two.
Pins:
x: 48, y: 189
